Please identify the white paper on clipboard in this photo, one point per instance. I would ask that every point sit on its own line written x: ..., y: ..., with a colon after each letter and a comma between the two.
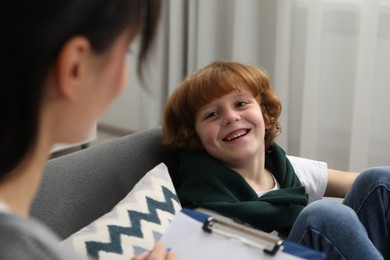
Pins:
x: 186, y: 237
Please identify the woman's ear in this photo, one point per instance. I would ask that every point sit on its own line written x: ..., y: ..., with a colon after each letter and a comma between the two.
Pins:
x: 71, y: 65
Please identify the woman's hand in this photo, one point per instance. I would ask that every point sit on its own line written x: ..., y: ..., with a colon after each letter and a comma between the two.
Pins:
x: 159, y: 252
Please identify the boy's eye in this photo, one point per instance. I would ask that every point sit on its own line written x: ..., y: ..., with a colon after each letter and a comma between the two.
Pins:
x: 241, y: 104
x: 211, y: 114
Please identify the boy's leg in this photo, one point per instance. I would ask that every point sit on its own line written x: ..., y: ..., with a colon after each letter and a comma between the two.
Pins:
x: 335, y: 229
x: 369, y: 197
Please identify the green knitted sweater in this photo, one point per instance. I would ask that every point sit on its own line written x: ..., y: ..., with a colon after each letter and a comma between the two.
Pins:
x: 206, y: 182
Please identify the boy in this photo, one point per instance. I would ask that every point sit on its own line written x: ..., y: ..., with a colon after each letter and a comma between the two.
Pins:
x: 224, y: 118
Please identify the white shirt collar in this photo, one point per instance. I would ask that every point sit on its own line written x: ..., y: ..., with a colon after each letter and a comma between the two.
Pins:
x: 276, y: 187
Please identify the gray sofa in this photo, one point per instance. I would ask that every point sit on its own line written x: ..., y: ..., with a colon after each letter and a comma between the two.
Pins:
x: 80, y: 187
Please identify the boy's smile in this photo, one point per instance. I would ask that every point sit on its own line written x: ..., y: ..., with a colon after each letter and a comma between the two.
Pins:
x: 231, y: 128
x: 236, y: 134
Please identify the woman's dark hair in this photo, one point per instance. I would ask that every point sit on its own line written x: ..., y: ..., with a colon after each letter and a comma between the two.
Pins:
x: 32, y: 35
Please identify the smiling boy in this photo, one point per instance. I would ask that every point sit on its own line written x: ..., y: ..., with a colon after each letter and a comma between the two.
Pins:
x: 224, y: 120
x: 232, y: 130
x: 228, y: 122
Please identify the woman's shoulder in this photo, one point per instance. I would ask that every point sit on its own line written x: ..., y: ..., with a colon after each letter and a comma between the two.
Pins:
x: 23, y: 238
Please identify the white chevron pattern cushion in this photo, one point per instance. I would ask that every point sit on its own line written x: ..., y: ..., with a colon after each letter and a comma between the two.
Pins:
x: 134, y: 224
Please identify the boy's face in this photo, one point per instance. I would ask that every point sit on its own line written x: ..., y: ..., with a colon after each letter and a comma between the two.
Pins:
x: 231, y: 128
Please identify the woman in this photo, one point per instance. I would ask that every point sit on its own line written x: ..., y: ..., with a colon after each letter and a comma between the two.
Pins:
x: 61, y: 65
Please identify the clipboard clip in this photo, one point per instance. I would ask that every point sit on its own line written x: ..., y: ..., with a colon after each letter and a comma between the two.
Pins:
x: 270, y: 244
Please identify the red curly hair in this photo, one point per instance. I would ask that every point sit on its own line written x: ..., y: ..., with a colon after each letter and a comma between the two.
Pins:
x: 213, y: 81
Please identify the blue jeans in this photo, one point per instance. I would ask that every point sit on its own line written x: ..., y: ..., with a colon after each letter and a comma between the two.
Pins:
x: 359, y: 229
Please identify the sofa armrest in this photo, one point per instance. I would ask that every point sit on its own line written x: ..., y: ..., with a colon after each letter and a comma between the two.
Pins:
x: 80, y: 187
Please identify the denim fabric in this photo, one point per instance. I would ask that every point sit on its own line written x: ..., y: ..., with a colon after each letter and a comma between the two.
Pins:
x: 369, y: 197
x: 359, y: 230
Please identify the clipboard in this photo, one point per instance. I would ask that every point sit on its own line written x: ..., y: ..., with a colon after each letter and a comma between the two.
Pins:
x: 202, y: 234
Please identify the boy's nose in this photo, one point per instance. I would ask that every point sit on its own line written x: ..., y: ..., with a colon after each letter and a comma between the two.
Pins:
x: 230, y: 117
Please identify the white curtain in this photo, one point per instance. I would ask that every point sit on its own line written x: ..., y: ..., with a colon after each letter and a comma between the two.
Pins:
x: 329, y: 62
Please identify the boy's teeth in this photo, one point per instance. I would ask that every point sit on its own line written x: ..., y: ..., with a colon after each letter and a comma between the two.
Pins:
x: 235, y: 135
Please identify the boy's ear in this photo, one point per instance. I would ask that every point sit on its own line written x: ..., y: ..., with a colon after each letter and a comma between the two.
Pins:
x: 71, y: 66
x: 266, y: 121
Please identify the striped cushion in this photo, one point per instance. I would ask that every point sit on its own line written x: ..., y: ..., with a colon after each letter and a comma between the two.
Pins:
x: 134, y: 224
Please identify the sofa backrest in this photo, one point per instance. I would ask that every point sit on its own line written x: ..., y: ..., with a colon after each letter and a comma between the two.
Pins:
x: 80, y: 187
